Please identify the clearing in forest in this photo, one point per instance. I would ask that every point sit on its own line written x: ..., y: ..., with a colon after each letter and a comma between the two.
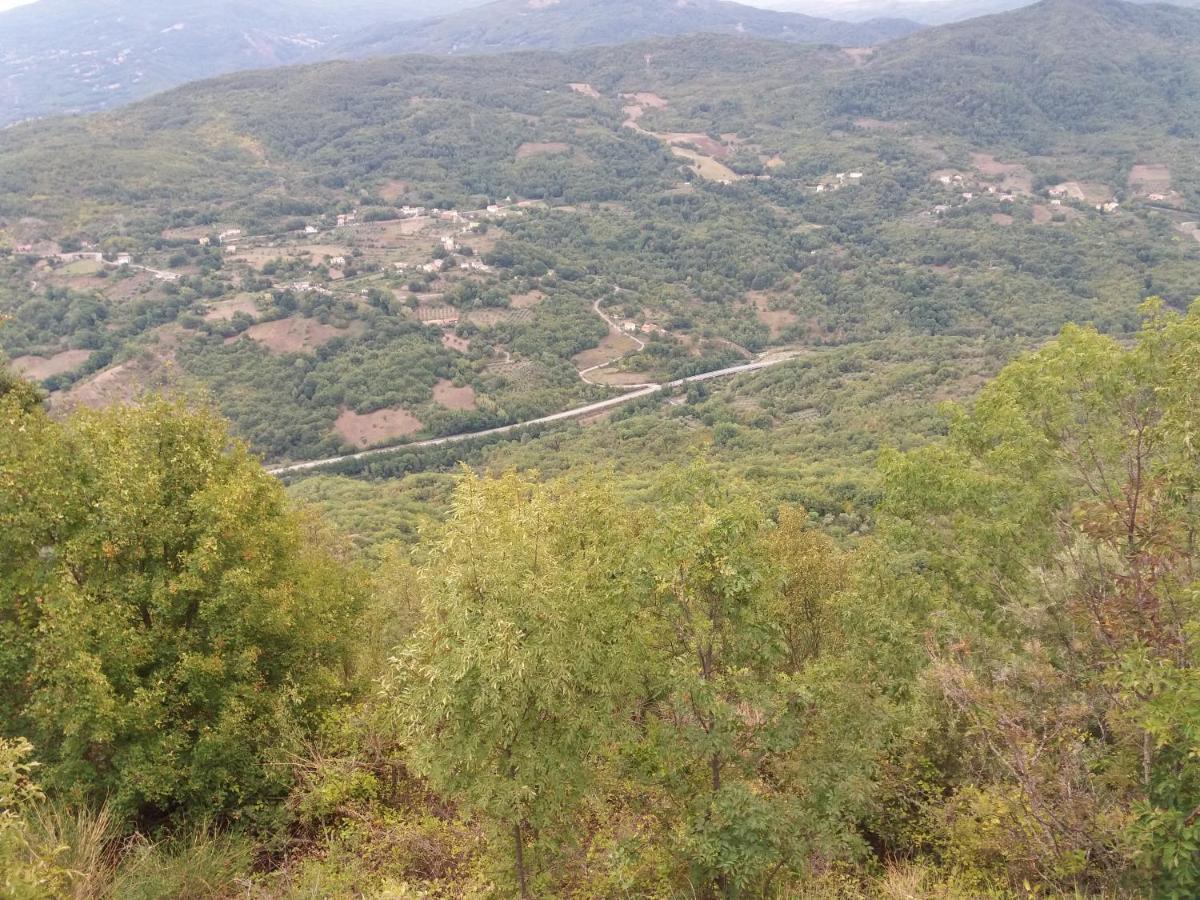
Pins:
x: 225, y: 310
x: 1015, y: 178
x: 458, y: 398
x: 552, y: 148
x: 613, y: 347
x: 366, y: 429
x: 39, y: 368
x: 298, y: 334
x: 775, y: 319
x: 1150, y: 178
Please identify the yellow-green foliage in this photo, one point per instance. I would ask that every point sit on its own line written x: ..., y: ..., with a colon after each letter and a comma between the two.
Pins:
x: 169, y: 623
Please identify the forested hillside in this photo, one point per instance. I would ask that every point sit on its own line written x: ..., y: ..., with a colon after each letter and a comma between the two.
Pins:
x: 1095, y: 65
x: 71, y: 56
x: 350, y: 255
x: 903, y: 605
x: 77, y: 56
x: 508, y: 25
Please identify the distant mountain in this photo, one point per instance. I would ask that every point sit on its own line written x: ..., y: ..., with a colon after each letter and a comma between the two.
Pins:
x: 927, y: 12
x: 1023, y: 77
x: 567, y: 24
x: 64, y: 56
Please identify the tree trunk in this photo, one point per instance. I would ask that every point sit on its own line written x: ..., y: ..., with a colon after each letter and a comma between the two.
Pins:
x: 519, y: 847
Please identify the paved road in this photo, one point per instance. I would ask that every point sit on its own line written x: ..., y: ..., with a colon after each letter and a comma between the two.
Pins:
x: 765, y: 362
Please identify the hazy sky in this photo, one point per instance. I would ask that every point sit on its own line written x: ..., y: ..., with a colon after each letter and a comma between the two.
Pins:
x: 9, y: 4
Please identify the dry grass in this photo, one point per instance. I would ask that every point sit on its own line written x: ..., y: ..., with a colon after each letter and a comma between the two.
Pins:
x: 364, y: 430
x: 227, y: 309
x: 41, y: 367
x: 1150, y: 178
x: 298, y: 334
x: 457, y: 398
x: 613, y: 347
x: 552, y: 148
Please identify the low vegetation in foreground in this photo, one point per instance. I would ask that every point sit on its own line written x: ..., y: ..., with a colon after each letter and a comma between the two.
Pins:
x: 570, y: 690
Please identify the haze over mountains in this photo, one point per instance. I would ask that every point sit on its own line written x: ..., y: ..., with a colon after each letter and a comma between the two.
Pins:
x: 927, y: 12
x: 69, y: 56
x: 1035, y: 72
x: 507, y: 25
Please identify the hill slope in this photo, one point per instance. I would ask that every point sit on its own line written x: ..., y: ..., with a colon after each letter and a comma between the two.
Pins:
x: 1058, y: 66
x: 927, y: 12
x: 67, y: 56
x: 567, y: 24
x: 702, y: 175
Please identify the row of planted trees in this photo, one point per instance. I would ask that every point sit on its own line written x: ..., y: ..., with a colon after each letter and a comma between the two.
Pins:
x: 668, y: 688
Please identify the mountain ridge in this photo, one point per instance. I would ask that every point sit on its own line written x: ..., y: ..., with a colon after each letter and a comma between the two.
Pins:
x: 569, y: 24
x: 80, y: 56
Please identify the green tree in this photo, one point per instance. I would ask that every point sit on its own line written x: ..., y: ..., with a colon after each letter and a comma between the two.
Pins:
x: 1055, y: 531
x: 169, y: 622
x: 508, y: 692
x: 724, y: 711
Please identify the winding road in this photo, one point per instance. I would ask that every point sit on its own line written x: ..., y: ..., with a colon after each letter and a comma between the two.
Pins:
x: 765, y: 361
x: 613, y: 328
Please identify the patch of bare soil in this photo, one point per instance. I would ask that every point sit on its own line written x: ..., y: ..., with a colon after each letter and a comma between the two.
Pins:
x: 775, y: 319
x: 1085, y: 191
x: 1015, y: 177
x: 586, y: 89
x: 859, y: 55
x: 364, y: 430
x: 227, y: 309
x: 38, y: 368
x: 646, y: 99
x: 1192, y: 228
x: 620, y: 379
x: 153, y: 368
x: 298, y: 334
x: 552, y: 148
x: 459, y: 398
x: 701, y: 142
x: 596, y: 418
x: 613, y: 347
x: 393, y: 190
x: 125, y: 288
x: 1150, y: 178
x: 705, y: 166
x: 1002, y: 219
x: 452, y: 341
